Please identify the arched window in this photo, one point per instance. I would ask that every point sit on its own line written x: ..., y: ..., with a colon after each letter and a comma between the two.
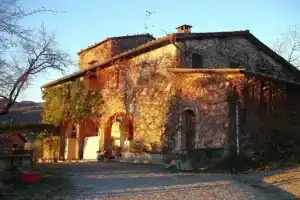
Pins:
x: 189, y: 125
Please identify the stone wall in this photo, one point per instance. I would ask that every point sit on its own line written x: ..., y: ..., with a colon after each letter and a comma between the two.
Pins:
x: 139, y: 88
x: 123, y: 44
x: 99, y: 53
x: 206, y: 96
x: 154, y: 98
x: 146, y: 158
x: 269, y: 120
x: 111, y: 47
x: 143, y: 89
x: 218, y: 53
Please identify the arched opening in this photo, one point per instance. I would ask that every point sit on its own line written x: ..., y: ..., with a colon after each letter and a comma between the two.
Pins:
x: 189, y: 126
x: 119, y: 129
x: 88, y: 130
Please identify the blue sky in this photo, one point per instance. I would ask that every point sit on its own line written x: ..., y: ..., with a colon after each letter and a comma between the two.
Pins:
x: 82, y: 23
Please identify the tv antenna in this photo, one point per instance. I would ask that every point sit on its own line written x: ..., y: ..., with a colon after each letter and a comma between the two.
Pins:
x: 148, y: 15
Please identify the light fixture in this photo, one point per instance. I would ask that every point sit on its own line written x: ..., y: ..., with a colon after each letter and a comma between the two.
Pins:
x: 118, y: 120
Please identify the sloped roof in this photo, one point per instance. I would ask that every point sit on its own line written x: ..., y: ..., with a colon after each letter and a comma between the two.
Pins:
x: 115, y: 38
x: 149, y: 46
x: 8, y: 134
x: 233, y: 71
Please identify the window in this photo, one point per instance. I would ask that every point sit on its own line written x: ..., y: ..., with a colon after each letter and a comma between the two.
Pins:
x: 15, y: 146
x: 197, y: 60
x: 234, y: 65
x: 74, y: 131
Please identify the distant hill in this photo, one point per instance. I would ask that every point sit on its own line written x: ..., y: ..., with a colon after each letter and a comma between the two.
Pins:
x: 27, y: 112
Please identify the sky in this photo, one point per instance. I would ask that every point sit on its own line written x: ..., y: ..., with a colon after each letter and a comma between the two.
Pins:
x: 78, y: 24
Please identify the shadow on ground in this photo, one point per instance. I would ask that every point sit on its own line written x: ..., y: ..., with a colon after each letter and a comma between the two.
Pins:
x: 277, y: 184
x: 125, y: 181
x: 119, y: 180
x: 53, y: 184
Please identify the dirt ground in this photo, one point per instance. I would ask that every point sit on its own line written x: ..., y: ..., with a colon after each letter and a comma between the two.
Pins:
x: 281, y: 183
x: 288, y: 181
x: 127, y: 181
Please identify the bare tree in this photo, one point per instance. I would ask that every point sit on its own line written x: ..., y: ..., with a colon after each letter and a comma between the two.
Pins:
x: 288, y: 46
x: 11, y: 12
x: 34, y: 57
x: 24, y: 53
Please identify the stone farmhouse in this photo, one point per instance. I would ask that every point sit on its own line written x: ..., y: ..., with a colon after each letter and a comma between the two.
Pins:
x: 204, y: 94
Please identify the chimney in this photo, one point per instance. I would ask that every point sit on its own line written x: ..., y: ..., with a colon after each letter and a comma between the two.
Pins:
x: 184, y: 28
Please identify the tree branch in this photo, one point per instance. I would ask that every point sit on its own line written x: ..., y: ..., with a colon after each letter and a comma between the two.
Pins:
x: 36, y: 57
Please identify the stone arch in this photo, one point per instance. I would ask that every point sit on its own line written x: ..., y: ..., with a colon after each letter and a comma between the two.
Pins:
x: 188, y: 124
x: 119, y: 128
x: 86, y: 128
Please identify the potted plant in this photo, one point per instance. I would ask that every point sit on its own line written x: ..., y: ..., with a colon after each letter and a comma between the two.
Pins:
x: 30, y: 176
x: 184, y: 162
x: 100, y: 155
x: 137, y: 146
x: 117, y: 151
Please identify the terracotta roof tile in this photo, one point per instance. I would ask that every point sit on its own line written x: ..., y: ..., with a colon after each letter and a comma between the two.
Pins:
x: 179, y: 36
x: 114, y: 38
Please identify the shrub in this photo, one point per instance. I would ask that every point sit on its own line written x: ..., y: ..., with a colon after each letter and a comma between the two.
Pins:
x: 51, y: 148
x: 155, y: 147
x: 117, y: 150
x: 38, y: 147
x: 138, y: 146
x: 235, y: 163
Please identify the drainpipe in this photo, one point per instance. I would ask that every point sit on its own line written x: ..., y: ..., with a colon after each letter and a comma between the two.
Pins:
x: 237, y: 128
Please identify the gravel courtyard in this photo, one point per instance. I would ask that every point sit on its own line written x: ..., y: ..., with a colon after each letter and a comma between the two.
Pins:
x: 126, y: 181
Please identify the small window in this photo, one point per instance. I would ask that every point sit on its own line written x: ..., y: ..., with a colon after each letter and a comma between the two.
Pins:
x: 234, y: 65
x: 197, y: 60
